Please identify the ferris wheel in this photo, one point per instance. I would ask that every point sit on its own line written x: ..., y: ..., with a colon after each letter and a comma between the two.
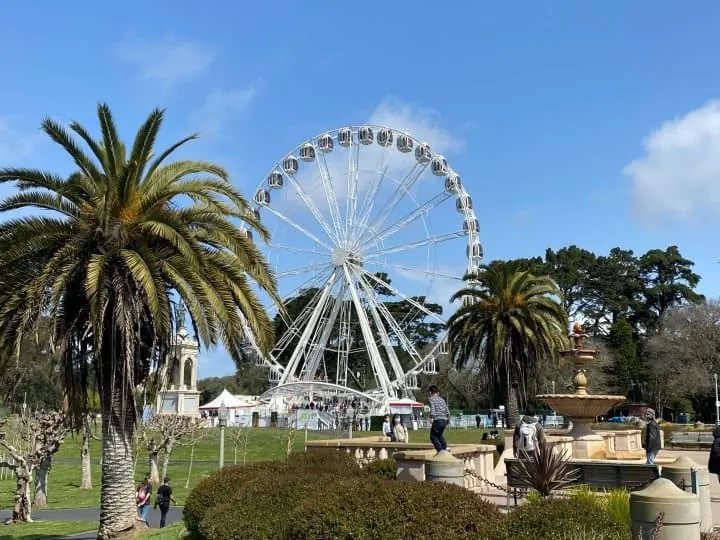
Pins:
x: 365, y: 222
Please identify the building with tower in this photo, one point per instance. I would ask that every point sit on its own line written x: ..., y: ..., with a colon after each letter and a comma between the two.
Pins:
x: 179, y: 394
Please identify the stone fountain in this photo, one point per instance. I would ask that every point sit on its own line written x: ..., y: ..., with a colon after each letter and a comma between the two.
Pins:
x: 580, y: 407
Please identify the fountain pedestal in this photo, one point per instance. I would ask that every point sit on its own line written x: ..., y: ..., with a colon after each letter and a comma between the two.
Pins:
x: 580, y: 407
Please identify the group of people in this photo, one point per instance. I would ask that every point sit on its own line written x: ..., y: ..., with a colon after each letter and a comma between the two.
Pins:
x: 395, y: 430
x: 162, y: 501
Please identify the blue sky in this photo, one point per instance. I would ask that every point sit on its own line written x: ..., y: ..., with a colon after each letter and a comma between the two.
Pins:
x: 570, y: 122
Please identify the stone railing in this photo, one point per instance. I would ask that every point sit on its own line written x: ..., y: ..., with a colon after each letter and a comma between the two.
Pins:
x: 411, y: 457
x: 477, y: 459
x: 365, y: 449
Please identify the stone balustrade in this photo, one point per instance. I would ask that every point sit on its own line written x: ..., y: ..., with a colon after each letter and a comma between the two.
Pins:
x: 411, y: 457
x: 477, y: 459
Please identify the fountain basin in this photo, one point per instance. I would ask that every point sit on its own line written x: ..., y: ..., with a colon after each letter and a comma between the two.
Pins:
x: 580, y: 405
x: 582, y: 409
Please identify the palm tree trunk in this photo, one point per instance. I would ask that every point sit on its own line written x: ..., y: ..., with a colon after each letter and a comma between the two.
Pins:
x: 85, y: 464
x: 512, y: 407
x: 41, y: 480
x: 118, y: 508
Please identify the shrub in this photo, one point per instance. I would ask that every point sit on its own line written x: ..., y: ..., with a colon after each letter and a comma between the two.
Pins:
x: 328, y: 496
x: 230, y: 498
x: 382, y: 468
x: 562, y: 519
x: 372, y: 509
x: 212, y: 492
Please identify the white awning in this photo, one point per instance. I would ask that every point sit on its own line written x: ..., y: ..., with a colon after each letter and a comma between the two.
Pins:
x: 227, y: 399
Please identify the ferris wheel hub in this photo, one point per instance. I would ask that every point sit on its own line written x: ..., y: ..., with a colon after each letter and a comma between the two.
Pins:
x: 340, y: 256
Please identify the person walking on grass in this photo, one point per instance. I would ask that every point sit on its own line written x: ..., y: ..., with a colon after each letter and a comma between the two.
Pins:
x: 439, y: 418
x: 144, y: 493
x: 163, y: 500
x: 652, y: 437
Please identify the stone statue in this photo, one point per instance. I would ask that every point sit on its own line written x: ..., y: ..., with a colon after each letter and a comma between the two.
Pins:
x: 578, y: 335
x: 179, y: 315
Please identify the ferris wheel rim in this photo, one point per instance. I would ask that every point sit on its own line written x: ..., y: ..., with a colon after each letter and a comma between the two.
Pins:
x: 467, y: 212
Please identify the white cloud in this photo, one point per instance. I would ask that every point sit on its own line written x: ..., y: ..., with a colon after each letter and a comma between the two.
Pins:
x: 168, y: 61
x: 222, y: 105
x: 421, y: 123
x: 15, y: 145
x: 679, y: 175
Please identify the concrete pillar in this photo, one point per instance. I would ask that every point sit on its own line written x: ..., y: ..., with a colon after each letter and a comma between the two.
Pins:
x: 181, y: 375
x: 681, y: 512
x: 680, y: 473
x: 445, y: 468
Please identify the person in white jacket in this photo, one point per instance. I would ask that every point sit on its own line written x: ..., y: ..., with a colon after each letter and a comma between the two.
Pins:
x: 399, y: 430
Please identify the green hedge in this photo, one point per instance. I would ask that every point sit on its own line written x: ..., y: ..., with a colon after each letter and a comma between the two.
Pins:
x: 382, y: 468
x: 562, y: 519
x: 328, y: 496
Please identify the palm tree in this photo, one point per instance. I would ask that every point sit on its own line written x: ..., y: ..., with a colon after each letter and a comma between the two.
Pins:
x: 509, y: 322
x: 116, y: 245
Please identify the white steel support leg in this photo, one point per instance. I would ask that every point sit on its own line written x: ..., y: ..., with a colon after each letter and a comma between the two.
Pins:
x: 318, y: 351
x: 375, y: 357
x: 385, y: 338
x: 299, y: 350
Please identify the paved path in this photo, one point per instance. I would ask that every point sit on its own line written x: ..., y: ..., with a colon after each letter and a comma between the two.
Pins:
x: 92, y: 514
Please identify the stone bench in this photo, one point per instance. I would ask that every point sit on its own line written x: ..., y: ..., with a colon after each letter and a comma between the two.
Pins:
x: 477, y: 459
x: 685, y: 438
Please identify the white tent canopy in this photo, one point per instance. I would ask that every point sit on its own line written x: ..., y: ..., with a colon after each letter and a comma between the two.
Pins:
x: 225, y: 398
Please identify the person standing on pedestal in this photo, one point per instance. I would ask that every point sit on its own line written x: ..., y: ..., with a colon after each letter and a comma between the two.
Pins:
x: 439, y: 418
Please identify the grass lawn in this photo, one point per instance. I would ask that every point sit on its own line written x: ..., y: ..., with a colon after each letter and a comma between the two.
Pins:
x: 264, y: 444
x: 45, y: 530
x: 168, y: 533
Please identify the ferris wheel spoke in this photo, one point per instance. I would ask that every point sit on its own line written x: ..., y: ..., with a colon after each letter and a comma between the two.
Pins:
x: 405, y: 297
x: 352, y: 188
x: 313, y: 209
x: 294, y: 328
x: 430, y: 355
x: 403, y: 340
x: 304, y: 269
x: 402, y: 189
x: 307, y: 332
x: 376, y: 361
x: 376, y: 306
x: 409, y: 218
x: 319, y: 278
x: 362, y: 218
x: 297, y: 227
x: 439, y: 239
x: 295, y: 249
x: 344, y: 345
x: 330, y: 197
x: 324, y: 331
x: 380, y: 173
x: 418, y: 271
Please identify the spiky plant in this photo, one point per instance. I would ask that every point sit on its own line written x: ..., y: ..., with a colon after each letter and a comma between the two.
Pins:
x: 119, y: 242
x: 546, y: 470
